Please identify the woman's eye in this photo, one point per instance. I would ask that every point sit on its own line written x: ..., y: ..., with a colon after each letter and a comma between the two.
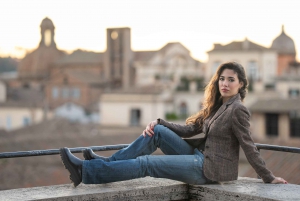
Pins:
x: 231, y: 80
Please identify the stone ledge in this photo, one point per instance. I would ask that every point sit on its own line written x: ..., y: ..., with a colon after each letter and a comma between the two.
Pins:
x: 159, y: 189
x: 137, y: 189
x: 245, y: 189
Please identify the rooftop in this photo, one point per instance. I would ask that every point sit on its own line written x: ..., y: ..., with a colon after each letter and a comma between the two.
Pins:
x: 276, y: 105
x: 238, y: 45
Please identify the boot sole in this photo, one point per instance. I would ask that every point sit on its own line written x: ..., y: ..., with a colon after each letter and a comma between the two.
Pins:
x: 74, y: 175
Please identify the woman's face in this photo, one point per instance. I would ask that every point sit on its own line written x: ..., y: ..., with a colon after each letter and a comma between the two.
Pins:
x: 229, y: 84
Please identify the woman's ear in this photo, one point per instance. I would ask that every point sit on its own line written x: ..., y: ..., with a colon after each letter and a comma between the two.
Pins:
x: 241, y: 84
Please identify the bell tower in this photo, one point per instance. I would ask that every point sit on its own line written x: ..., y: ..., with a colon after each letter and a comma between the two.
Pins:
x: 47, y: 33
x: 118, y: 58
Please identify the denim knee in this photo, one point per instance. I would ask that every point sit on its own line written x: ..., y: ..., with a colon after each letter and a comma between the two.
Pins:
x: 158, y: 128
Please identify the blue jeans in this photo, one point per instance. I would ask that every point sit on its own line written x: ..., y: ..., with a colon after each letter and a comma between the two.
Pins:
x: 182, y: 162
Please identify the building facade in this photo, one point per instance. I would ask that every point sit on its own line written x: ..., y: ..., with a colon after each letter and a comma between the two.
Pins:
x: 259, y: 62
x: 166, y: 66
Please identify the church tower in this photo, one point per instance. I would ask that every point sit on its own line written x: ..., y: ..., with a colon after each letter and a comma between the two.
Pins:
x: 35, y: 67
x: 47, y: 33
x: 118, y: 58
x: 285, y: 47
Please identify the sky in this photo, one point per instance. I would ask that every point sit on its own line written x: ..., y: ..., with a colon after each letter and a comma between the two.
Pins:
x: 197, y: 24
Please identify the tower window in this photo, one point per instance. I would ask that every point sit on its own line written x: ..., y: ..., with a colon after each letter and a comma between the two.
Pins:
x: 47, y: 37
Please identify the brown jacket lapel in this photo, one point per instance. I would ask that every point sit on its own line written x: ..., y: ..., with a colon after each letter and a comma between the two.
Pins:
x: 222, y: 109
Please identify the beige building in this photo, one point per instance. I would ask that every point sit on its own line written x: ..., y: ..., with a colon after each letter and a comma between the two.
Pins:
x: 166, y: 66
x: 262, y: 64
x: 138, y: 106
x: 259, y: 62
x: 23, y: 107
x: 276, y: 118
x: 288, y: 86
x: 15, y: 116
x: 134, y: 107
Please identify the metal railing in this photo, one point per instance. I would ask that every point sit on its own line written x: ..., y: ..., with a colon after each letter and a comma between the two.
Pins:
x: 277, y: 148
x: 56, y: 151
x: 121, y: 146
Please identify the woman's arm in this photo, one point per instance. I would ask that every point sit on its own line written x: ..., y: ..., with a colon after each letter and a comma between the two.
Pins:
x: 240, y: 126
x: 184, y: 131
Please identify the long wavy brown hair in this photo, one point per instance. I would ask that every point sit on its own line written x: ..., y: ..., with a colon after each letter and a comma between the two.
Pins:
x: 212, y: 96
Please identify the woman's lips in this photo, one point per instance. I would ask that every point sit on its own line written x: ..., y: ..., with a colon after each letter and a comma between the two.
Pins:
x: 225, y: 90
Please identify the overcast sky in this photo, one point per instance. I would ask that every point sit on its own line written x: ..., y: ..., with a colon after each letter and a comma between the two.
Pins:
x: 196, y: 24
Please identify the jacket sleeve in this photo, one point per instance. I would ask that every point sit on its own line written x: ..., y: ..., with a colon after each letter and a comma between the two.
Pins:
x: 184, y: 131
x: 240, y: 126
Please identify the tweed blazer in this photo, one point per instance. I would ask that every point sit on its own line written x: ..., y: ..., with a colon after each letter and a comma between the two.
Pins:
x: 224, y: 132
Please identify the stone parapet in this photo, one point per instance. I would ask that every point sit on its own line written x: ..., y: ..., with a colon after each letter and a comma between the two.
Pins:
x: 137, y: 189
x: 245, y: 189
x: 159, y: 189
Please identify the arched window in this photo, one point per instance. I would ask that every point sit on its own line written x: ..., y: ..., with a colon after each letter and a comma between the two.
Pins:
x: 183, y: 110
x: 252, y: 68
x: 47, y: 37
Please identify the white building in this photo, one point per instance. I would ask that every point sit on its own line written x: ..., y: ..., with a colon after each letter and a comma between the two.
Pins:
x: 20, y: 108
x: 259, y: 62
x: 166, y: 66
x: 133, y: 107
x: 139, y: 106
x: 76, y: 113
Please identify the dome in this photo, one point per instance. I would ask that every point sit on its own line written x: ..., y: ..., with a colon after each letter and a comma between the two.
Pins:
x: 284, y: 44
x: 47, y: 23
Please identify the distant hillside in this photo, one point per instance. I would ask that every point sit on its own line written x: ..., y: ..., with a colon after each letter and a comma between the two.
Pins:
x: 8, y: 64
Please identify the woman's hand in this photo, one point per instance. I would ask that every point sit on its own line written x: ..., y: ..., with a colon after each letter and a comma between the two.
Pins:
x: 278, y: 180
x: 149, y: 129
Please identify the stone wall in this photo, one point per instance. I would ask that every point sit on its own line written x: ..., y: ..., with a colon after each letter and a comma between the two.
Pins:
x: 159, y: 189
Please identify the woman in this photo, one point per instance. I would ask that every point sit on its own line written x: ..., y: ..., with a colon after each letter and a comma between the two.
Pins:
x: 223, y: 119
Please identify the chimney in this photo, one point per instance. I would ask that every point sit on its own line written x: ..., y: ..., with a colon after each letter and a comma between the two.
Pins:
x: 217, y: 45
x: 246, y: 44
